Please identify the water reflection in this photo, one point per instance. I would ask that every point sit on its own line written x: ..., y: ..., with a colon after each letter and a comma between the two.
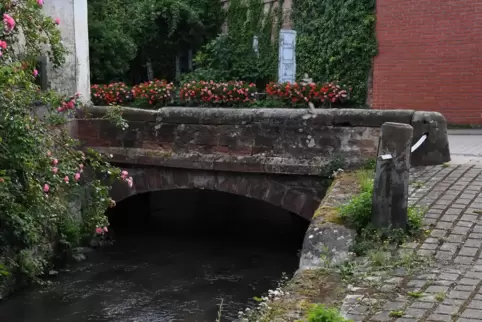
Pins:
x: 176, y: 264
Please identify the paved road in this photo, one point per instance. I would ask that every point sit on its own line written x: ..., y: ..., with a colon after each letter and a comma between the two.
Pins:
x: 466, y: 146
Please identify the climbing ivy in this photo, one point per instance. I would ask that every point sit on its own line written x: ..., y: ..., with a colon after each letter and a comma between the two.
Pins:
x: 336, y: 41
x: 231, y: 55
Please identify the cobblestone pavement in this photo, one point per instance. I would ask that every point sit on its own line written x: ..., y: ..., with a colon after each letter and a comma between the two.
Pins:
x: 451, y: 288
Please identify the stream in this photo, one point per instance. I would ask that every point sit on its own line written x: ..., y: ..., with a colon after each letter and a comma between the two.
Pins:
x: 176, y: 264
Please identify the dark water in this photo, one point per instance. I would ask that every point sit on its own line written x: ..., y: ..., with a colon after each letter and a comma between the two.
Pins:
x: 194, y: 249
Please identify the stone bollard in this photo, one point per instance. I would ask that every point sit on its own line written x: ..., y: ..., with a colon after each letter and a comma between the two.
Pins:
x: 390, y: 191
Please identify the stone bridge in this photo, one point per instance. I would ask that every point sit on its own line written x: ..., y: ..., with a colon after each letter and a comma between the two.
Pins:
x: 281, y: 156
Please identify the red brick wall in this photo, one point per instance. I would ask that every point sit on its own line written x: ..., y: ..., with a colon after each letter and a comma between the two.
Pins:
x: 430, y: 57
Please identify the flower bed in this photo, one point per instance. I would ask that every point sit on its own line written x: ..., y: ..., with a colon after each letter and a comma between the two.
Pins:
x: 211, y: 93
x: 160, y: 93
x: 114, y: 93
x: 318, y: 94
x: 153, y: 93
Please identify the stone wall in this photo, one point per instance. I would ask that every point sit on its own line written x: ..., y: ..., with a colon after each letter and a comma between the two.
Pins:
x: 276, y: 141
x: 300, y: 195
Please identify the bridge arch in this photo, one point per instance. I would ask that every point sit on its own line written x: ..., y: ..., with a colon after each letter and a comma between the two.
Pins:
x: 299, y: 197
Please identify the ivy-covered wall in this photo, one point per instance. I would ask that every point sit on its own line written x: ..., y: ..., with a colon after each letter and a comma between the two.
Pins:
x: 336, y: 41
x: 231, y: 55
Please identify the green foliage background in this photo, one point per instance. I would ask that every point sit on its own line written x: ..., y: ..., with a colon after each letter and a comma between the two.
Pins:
x: 231, y: 56
x: 336, y: 41
x: 124, y: 35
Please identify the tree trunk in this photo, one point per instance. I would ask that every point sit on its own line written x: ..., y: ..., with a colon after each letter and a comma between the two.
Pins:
x: 150, y: 71
x: 178, y: 68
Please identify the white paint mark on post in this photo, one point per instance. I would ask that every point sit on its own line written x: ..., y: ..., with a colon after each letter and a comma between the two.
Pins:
x: 287, y: 56
x: 414, y: 147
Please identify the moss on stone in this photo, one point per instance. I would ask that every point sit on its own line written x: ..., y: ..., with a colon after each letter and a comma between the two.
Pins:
x: 159, y: 153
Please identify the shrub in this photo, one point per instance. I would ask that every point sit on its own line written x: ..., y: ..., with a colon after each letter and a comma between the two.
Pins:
x: 153, y: 93
x: 320, y: 313
x: 358, y: 211
x: 114, y: 93
x: 321, y: 95
x: 42, y: 169
x: 358, y: 214
x: 214, y: 94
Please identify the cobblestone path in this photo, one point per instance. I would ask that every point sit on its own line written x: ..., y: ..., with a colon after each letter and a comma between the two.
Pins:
x: 451, y: 288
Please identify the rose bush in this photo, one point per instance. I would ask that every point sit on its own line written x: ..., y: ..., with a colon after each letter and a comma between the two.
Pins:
x: 44, y: 176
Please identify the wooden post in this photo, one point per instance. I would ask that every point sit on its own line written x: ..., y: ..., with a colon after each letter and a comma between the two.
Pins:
x: 390, y: 191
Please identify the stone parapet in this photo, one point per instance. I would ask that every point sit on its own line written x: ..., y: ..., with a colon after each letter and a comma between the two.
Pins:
x: 261, y: 140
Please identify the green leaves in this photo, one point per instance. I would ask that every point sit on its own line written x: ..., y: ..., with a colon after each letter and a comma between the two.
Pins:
x: 231, y: 56
x: 124, y: 35
x: 336, y: 41
x: 41, y: 167
x: 320, y: 313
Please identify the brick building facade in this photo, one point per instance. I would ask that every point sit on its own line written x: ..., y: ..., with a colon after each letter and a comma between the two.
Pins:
x: 430, y: 58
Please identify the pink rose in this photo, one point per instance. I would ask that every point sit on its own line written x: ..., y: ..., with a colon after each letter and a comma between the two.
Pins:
x: 8, y: 22
x: 3, y: 44
x: 77, y: 176
x: 99, y: 231
x: 46, y: 188
x: 55, y: 161
x: 106, y: 230
x: 57, y: 21
x: 40, y: 2
x: 35, y: 73
x: 130, y: 182
x: 55, y: 170
x: 66, y: 179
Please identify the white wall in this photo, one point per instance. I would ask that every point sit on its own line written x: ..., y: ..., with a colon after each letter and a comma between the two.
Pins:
x: 74, y: 75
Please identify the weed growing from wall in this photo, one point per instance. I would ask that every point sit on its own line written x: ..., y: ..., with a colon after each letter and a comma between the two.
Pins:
x: 320, y: 313
x: 357, y: 213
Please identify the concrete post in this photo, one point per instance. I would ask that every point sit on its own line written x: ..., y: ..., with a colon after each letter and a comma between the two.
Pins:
x: 74, y: 75
x: 390, y: 193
